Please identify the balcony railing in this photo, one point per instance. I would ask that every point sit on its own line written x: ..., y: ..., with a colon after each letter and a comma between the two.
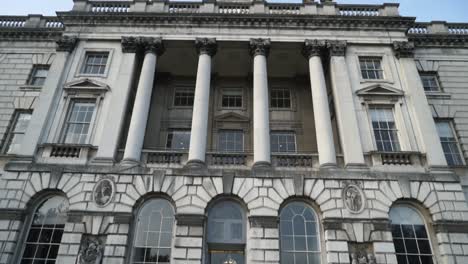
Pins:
x: 293, y: 160
x: 166, y: 157
x: 227, y: 159
x: 400, y: 158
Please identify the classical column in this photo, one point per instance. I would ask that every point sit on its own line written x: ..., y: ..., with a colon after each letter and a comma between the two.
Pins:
x: 136, y: 132
x: 47, y: 99
x: 323, y: 126
x: 206, y: 49
x: 345, y: 109
x: 426, y: 130
x: 259, y: 49
x: 118, y: 103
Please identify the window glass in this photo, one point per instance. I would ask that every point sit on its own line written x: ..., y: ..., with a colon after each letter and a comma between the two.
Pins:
x: 95, y: 63
x: 449, y: 143
x: 16, y: 133
x: 430, y: 82
x: 299, y: 234
x: 78, y: 121
x: 226, y: 233
x: 232, y: 98
x: 283, y: 141
x: 184, y: 97
x: 280, y: 98
x: 38, y: 75
x: 153, y: 233
x: 231, y: 141
x: 385, y: 131
x: 178, y: 139
x: 371, y: 68
x: 410, y: 236
x: 45, y: 234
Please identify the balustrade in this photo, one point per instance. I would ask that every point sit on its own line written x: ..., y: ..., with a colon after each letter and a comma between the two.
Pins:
x: 227, y: 159
x: 110, y: 7
x: 162, y: 157
x: 293, y: 160
x: 184, y: 7
x: 359, y: 10
x: 14, y: 22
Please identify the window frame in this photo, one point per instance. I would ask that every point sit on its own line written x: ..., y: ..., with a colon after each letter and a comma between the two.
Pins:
x: 427, y: 220
x: 433, y: 74
x: 34, y: 70
x: 169, y: 131
x: 11, y: 127
x: 81, y: 63
x: 451, y: 124
x: 398, y: 132
x: 240, y: 92
x: 178, y: 89
x: 387, y: 63
x: 270, y: 95
x: 292, y: 132
x: 133, y: 225
x: 31, y: 210
x: 92, y: 122
x: 220, y: 131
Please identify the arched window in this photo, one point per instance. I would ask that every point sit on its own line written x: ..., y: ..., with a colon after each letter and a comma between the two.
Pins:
x: 45, y: 234
x: 153, y: 233
x: 412, y: 243
x: 226, y: 233
x: 299, y: 234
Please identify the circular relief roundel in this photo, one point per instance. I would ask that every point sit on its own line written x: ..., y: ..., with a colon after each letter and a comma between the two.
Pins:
x: 103, y: 192
x: 354, y: 199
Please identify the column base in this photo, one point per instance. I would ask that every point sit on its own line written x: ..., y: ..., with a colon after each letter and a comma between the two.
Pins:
x: 328, y: 166
x: 195, y: 164
x: 262, y: 169
x: 129, y: 163
x: 356, y: 166
x: 103, y: 161
x: 261, y: 165
x: 19, y: 162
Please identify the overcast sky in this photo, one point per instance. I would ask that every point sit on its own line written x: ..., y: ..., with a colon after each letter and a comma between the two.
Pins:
x: 424, y: 10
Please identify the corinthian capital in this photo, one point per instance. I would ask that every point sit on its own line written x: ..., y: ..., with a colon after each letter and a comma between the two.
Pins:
x: 206, y: 46
x: 313, y: 47
x: 129, y: 44
x: 337, y: 47
x: 259, y: 47
x: 153, y: 45
x: 403, y: 49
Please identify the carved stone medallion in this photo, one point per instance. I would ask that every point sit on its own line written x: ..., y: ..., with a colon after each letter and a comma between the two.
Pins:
x: 103, y: 192
x: 354, y: 199
x: 91, y: 249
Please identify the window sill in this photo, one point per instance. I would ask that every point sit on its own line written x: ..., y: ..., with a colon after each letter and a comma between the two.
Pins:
x: 60, y: 153
x: 377, y: 81
x: 81, y: 75
x: 438, y: 95
x: 397, y: 158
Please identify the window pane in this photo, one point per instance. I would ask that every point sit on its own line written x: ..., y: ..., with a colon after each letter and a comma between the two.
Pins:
x: 16, y: 133
x: 449, y: 143
x: 232, y: 98
x: 385, y: 132
x: 183, y: 97
x: 153, y: 234
x: 231, y: 141
x: 371, y: 67
x: 38, y: 75
x: 178, y: 140
x: 226, y: 224
x: 280, y: 98
x: 430, y: 82
x: 46, y: 230
x: 78, y: 122
x: 95, y: 63
x: 283, y: 141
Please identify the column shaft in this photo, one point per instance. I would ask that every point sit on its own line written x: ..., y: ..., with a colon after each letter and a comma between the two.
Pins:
x: 141, y: 107
x: 323, y: 126
x: 261, y: 115
x: 198, y: 135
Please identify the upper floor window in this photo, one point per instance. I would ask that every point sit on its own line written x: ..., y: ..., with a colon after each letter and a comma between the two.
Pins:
x: 430, y: 81
x: 178, y: 139
x: 17, y: 130
x: 449, y: 142
x: 46, y: 230
x: 283, y: 141
x: 371, y: 68
x: 280, y: 98
x: 38, y: 75
x: 95, y: 63
x: 299, y: 234
x: 153, y: 233
x: 231, y: 141
x: 226, y: 233
x: 184, y: 97
x: 232, y: 98
x: 78, y: 122
x: 412, y: 244
x: 385, y: 131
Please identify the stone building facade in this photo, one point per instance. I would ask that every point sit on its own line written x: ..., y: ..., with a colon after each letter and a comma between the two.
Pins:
x: 233, y: 132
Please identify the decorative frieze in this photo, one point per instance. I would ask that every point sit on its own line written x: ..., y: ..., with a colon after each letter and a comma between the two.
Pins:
x: 66, y: 43
x: 313, y: 47
x: 91, y: 249
x: 206, y: 46
x: 403, y: 49
x: 336, y: 47
x: 260, y: 47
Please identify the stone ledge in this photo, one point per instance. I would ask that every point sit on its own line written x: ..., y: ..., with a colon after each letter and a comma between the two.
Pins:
x: 12, y: 214
x: 264, y: 221
x: 190, y: 219
x: 451, y: 227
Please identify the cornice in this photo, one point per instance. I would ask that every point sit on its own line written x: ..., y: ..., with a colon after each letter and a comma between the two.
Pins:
x: 30, y: 34
x: 232, y: 20
x: 439, y: 40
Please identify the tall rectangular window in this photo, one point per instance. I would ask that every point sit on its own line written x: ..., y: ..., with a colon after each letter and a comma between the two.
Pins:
x: 371, y: 68
x: 95, y: 63
x: 280, y: 98
x: 449, y: 142
x: 184, y: 97
x: 232, y: 99
x: 430, y: 82
x: 38, y: 75
x: 178, y: 139
x: 18, y: 127
x: 231, y: 141
x: 283, y: 141
x: 78, y: 122
x: 385, y: 131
